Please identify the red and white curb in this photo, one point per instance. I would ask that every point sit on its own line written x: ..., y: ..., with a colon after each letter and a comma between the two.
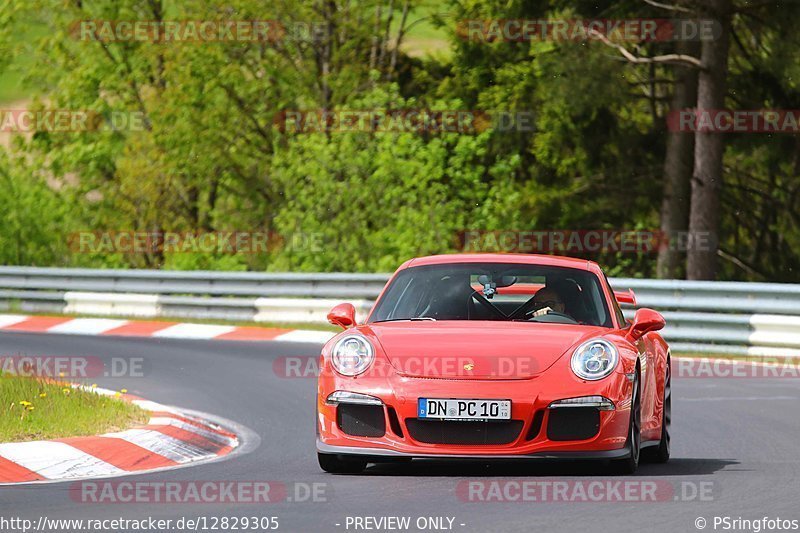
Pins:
x: 157, y: 329
x: 170, y: 439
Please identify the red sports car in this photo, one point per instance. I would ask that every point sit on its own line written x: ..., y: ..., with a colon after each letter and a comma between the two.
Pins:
x: 495, y: 356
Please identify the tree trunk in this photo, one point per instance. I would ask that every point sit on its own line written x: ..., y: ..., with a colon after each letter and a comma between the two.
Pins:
x: 704, y: 216
x: 678, y: 166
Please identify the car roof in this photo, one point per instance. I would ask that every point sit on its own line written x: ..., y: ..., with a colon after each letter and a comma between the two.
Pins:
x: 526, y: 259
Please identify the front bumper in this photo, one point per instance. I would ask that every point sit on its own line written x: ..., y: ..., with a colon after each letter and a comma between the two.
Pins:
x: 378, y: 453
x: 394, y: 430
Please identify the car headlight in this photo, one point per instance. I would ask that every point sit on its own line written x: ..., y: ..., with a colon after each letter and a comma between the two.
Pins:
x: 594, y: 359
x: 352, y: 355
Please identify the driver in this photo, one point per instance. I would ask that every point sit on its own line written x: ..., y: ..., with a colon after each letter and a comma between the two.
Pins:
x: 547, y: 300
x: 450, y: 298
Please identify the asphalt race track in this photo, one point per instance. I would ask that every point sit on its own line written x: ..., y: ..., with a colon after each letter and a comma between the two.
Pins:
x: 737, y: 436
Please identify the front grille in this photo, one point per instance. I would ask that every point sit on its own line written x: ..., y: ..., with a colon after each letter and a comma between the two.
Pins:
x: 457, y: 432
x: 361, y: 420
x: 573, y: 423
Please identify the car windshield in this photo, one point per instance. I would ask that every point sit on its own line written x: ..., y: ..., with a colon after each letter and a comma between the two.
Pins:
x: 494, y: 291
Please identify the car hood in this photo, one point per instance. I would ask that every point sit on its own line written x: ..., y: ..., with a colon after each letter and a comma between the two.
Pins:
x: 476, y: 349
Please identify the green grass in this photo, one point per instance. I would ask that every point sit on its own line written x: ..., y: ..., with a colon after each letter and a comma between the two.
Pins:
x: 423, y: 36
x: 31, y: 409
x: 11, y: 87
x: 11, y: 78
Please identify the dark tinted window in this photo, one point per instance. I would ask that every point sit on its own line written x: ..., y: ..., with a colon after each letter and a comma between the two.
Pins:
x: 495, y: 291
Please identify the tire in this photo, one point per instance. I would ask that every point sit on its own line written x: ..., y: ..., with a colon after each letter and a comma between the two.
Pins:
x: 332, y: 464
x: 630, y: 464
x: 660, y: 453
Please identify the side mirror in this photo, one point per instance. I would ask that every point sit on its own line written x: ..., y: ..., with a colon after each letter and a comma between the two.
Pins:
x: 343, y: 315
x: 646, y: 320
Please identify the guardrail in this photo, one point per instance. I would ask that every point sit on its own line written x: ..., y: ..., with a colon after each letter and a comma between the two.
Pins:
x: 723, y: 317
x: 702, y: 316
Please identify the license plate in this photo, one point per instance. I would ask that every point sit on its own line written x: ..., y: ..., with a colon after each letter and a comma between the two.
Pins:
x: 449, y: 409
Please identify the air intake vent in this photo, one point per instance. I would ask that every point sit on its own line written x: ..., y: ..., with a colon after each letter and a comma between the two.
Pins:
x: 452, y: 432
x: 574, y: 423
x: 361, y: 420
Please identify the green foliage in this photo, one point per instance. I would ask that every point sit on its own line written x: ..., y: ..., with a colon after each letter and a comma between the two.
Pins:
x: 33, y: 217
x: 208, y: 156
x: 395, y: 195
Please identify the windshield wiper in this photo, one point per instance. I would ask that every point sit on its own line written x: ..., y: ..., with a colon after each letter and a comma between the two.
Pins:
x: 414, y: 319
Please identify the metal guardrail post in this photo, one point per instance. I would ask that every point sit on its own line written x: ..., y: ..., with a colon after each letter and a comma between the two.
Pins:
x: 703, y: 316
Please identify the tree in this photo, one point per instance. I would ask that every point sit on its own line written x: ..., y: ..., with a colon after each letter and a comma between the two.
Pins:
x: 709, y: 150
x: 678, y: 169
